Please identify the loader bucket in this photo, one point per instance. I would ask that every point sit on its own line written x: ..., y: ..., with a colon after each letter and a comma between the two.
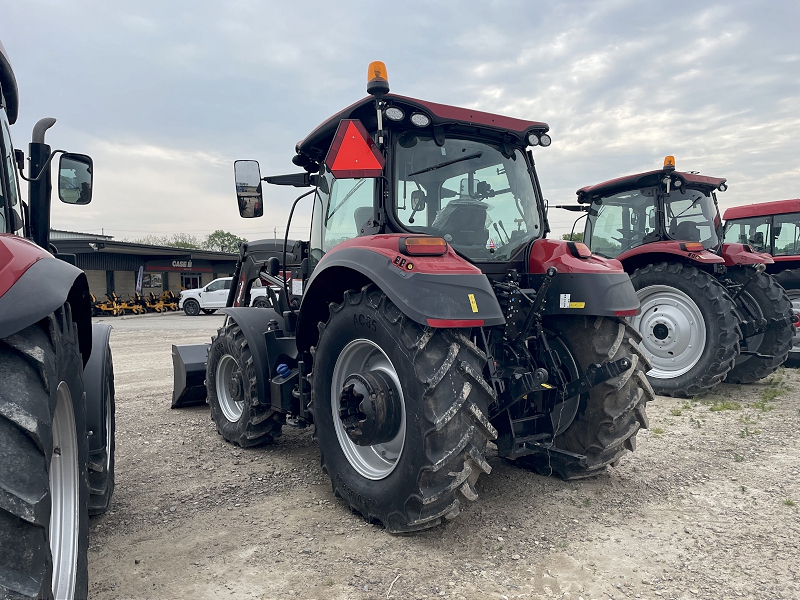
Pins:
x: 189, y: 380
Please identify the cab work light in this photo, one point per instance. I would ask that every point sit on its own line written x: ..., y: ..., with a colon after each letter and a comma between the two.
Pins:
x: 692, y: 247
x: 423, y: 246
x: 579, y: 250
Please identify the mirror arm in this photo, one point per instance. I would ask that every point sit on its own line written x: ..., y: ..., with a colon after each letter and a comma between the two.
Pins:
x: 44, y: 167
x: 294, y: 179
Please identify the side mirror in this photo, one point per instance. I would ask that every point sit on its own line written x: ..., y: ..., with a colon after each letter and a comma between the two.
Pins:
x: 75, y: 178
x: 273, y: 266
x: 248, y: 188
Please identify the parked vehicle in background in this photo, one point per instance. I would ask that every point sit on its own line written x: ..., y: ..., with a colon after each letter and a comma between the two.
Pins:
x: 773, y: 228
x: 709, y: 310
x: 214, y: 296
x: 56, y: 377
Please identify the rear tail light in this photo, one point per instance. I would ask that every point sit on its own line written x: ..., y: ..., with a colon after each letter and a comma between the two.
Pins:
x: 692, y: 247
x: 627, y: 313
x: 423, y: 246
x: 579, y: 250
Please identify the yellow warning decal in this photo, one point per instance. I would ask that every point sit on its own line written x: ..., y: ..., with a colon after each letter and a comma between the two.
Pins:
x: 472, y: 302
x: 546, y: 385
x: 577, y: 304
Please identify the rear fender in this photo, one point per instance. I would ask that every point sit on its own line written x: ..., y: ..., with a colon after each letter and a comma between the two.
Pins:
x: 584, y: 286
x: 435, y: 291
x: 738, y: 254
x: 667, y: 251
x: 94, y: 381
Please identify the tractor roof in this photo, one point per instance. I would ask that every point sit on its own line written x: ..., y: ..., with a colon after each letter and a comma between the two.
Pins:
x: 640, y: 180
x: 8, y: 83
x: 778, y: 207
x: 316, y: 144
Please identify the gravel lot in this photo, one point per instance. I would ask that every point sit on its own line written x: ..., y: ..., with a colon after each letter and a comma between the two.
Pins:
x: 707, y: 507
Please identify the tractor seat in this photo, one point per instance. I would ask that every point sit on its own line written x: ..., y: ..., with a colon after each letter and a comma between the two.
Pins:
x: 465, y: 221
x: 686, y: 231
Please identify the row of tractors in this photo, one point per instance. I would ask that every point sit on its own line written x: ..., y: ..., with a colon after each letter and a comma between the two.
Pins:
x: 138, y: 304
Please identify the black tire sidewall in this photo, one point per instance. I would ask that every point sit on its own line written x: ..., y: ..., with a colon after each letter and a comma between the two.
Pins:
x: 191, y: 307
x: 372, y: 498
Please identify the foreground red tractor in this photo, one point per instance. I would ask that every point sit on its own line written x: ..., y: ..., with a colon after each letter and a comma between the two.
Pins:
x: 773, y: 228
x: 56, y: 378
x: 709, y: 311
x: 432, y: 318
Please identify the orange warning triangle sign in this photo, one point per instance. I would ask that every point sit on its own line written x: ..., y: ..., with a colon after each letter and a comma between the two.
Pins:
x: 353, y: 153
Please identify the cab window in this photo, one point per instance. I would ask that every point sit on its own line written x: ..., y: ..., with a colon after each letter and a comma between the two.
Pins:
x: 691, y: 216
x: 753, y: 231
x: 621, y: 222
x: 786, y: 229
x: 217, y: 285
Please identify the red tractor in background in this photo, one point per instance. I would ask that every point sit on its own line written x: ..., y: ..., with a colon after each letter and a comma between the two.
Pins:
x: 56, y: 377
x: 773, y: 228
x: 709, y: 310
x: 427, y: 317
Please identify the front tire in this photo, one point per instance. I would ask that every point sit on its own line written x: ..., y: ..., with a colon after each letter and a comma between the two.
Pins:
x: 429, y: 467
x: 191, y: 308
x: 689, y: 328
x: 790, y: 281
x: 610, y: 414
x: 100, y: 473
x: 240, y: 415
x: 44, y: 522
x: 262, y: 303
x: 763, y: 298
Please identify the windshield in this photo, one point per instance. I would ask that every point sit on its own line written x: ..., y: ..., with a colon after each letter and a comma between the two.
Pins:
x: 691, y: 216
x: 753, y: 231
x: 482, y: 202
x: 620, y: 222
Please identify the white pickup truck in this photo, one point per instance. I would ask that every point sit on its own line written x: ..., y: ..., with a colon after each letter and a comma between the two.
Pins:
x: 215, y: 295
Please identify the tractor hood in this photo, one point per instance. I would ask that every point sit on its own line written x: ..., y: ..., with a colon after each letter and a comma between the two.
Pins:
x: 8, y: 83
x: 647, y: 179
x: 315, y: 146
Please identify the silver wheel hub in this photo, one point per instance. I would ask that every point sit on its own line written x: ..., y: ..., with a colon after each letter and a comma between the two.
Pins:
x: 64, y: 490
x: 375, y: 461
x: 230, y: 388
x: 673, y: 330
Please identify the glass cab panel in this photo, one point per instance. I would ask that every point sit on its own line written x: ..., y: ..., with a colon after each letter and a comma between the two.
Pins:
x: 786, y: 229
x: 754, y: 231
x: 620, y: 222
x: 10, y: 209
x: 691, y: 216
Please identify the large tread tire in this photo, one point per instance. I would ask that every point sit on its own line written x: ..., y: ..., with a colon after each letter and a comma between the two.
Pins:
x: 446, y: 400
x: 33, y: 365
x: 790, y: 281
x: 610, y: 415
x: 100, y: 473
x: 769, y: 299
x: 258, y: 423
x: 722, y: 326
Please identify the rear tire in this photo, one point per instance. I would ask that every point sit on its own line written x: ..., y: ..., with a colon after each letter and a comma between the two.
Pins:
x: 790, y: 280
x: 765, y: 299
x: 262, y: 303
x: 686, y: 359
x: 191, y: 308
x: 429, y: 469
x: 100, y: 471
x: 44, y: 522
x: 610, y: 414
x: 240, y: 415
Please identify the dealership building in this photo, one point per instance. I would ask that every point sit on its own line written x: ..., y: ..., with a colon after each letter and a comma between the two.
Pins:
x: 113, y: 266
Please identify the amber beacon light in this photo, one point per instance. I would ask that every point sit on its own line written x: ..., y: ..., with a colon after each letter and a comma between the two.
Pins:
x: 377, y: 79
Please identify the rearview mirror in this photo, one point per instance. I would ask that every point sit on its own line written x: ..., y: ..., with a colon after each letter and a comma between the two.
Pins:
x: 75, y: 178
x: 248, y: 188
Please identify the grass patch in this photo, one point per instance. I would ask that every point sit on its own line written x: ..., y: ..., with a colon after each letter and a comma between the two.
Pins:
x: 721, y: 405
x: 657, y: 430
x: 747, y: 432
x: 696, y: 422
x: 789, y: 502
x: 676, y: 412
x: 744, y: 489
x: 587, y: 501
x: 329, y: 583
x: 738, y: 458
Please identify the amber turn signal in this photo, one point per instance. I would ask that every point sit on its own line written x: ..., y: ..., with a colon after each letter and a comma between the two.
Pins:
x: 579, y: 250
x: 692, y: 247
x: 423, y: 246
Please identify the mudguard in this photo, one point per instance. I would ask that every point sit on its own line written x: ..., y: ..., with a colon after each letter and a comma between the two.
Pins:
x: 671, y: 250
x: 94, y: 380
x: 33, y: 284
x: 738, y: 254
x: 584, y: 286
x: 437, y: 291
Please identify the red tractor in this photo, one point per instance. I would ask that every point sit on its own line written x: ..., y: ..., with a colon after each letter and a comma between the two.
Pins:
x: 427, y: 316
x: 709, y: 310
x: 56, y: 377
x: 773, y: 228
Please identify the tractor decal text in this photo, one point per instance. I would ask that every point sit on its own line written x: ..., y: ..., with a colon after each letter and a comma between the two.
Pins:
x: 365, y: 321
x: 353, y: 495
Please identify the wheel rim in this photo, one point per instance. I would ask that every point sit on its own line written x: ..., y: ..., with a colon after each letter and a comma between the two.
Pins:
x: 64, y: 496
x: 794, y: 296
x: 673, y: 330
x: 378, y: 461
x: 229, y: 388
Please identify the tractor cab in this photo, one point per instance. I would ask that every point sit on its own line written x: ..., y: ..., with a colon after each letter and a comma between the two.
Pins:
x: 662, y: 205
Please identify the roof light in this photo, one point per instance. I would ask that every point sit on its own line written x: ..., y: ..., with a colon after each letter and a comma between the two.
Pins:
x: 420, y: 119
x: 692, y: 247
x: 423, y: 246
x: 533, y: 139
x: 377, y: 79
x: 722, y: 186
x: 669, y: 163
x: 394, y: 114
x: 579, y: 250
x: 545, y: 140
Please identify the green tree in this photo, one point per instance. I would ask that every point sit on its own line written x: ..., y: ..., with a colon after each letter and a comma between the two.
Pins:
x: 175, y: 240
x: 572, y: 237
x: 223, y: 241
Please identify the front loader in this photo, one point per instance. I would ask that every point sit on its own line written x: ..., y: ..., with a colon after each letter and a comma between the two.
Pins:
x: 426, y: 316
x: 710, y: 311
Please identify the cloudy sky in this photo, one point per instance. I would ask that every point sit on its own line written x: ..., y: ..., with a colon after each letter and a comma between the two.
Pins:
x: 165, y: 95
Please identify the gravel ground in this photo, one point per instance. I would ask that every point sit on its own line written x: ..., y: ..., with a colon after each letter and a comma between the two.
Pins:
x: 707, y: 507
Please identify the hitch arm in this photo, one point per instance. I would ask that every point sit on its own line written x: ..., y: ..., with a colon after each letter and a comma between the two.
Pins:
x: 595, y: 375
